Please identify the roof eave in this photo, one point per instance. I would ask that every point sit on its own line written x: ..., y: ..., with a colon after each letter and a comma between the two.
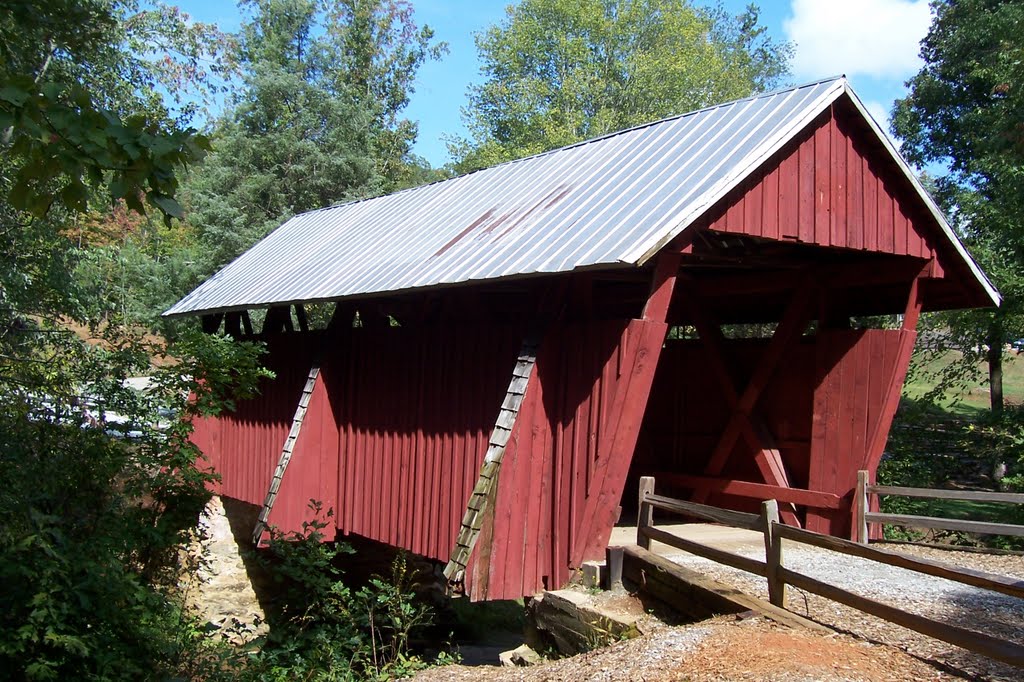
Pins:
x: 991, y: 293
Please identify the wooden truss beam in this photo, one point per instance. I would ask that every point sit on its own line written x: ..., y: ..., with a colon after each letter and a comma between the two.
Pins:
x: 628, y: 408
x: 744, y: 422
x: 908, y: 331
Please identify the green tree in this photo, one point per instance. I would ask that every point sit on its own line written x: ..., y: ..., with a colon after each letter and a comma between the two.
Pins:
x: 317, y: 121
x: 965, y: 111
x: 95, y: 507
x: 82, y: 123
x: 560, y: 71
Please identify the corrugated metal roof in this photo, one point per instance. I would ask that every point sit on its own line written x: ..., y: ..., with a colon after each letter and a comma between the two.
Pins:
x: 608, y: 202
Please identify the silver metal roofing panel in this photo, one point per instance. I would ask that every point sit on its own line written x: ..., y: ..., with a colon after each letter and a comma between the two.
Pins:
x: 612, y: 201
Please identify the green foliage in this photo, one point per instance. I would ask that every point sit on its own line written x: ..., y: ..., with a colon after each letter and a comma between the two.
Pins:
x: 964, y: 110
x: 322, y: 630
x: 83, y: 122
x: 317, y: 120
x: 79, y: 103
x: 289, y: 147
x: 100, y: 490
x: 561, y: 71
x: 930, y: 447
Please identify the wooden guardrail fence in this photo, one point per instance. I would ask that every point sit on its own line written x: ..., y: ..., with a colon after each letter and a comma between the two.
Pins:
x: 865, y: 516
x: 779, y: 576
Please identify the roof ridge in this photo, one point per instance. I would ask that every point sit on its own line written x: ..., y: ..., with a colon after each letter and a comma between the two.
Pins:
x: 676, y: 117
x: 591, y: 140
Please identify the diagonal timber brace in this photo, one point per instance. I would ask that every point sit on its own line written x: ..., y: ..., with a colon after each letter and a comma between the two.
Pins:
x: 744, y: 422
x: 482, y: 496
x: 263, y: 519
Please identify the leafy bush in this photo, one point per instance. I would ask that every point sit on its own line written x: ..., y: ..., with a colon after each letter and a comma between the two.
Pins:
x: 322, y: 630
x: 96, y: 510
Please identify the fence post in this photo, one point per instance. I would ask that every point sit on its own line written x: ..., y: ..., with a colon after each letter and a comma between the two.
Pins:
x: 613, y: 568
x: 861, y: 500
x: 773, y: 553
x: 645, y: 515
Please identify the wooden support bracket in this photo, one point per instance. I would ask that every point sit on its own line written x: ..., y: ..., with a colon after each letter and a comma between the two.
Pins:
x: 744, y: 422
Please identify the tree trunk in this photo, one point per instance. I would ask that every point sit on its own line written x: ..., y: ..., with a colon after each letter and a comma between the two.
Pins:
x: 995, y: 368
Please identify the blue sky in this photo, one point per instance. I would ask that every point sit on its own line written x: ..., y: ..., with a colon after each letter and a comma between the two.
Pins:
x: 874, y: 42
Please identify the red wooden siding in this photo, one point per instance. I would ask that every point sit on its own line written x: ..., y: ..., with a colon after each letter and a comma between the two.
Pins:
x: 312, y: 473
x: 854, y: 374
x: 821, y: 408
x: 563, y: 473
x: 394, y: 436
x: 245, y: 445
x: 828, y: 188
x: 415, y: 408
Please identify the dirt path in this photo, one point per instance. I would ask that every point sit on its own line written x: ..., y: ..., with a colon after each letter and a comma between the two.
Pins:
x: 719, y: 649
x: 864, y: 647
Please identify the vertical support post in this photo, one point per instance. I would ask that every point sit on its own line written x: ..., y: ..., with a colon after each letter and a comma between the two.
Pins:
x: 300, y: 315
x: 246, y: 323
x: 861, y: 500
x: 666, y: 272
x: 211, y: 323
x: 645, y: 516
x: 613, y: 567
x: 773, y: 553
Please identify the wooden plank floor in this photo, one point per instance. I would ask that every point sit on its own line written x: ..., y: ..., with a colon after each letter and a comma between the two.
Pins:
x: 719, y: 537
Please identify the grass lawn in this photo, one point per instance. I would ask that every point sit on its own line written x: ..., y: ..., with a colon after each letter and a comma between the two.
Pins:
x: 930, y: 446
x: 974, y: 398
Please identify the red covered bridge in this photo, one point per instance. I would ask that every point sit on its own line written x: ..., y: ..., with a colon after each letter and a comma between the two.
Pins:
x: 696, y: 299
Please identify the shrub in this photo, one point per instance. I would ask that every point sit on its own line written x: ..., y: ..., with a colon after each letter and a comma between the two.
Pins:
x: 94, y: 518
x: 322, y: 630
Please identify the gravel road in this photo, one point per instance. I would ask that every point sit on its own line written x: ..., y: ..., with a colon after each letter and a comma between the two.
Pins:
x: 864, y: 648
x: 944, y: 600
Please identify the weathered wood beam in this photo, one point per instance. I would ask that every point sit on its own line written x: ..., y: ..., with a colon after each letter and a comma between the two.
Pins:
x: 989, y: 581
x: 695, y: 594
x: 998, y: 649
x: 211, y: 323
x: 759, y: 491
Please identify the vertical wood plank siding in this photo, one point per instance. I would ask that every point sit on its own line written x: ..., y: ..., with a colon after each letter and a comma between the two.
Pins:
x: 394, y: 436
x: 564, y: 470
x: 397, y: 427
x: 411, y: 404
x: 244, y: 445
x: 821, y: 411
x: 828, y: 188
x: 854, y: 374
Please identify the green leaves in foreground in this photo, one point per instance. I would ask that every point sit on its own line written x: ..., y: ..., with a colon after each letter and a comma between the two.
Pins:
x: 61, y: 144
x: 101, y: 491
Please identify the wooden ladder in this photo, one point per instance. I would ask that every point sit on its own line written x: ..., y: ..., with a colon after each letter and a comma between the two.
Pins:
x: 286, y: 453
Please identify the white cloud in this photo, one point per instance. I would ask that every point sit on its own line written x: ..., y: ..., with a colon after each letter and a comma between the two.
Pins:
x: 876, y: 38
x: 879, y: 112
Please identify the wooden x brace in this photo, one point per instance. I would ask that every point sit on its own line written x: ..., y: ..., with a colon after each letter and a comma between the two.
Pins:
x: 744, y: 422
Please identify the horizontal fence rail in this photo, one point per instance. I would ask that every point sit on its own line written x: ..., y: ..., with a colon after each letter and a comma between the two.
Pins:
x: 865, y: 516
x: 757, y: 491
x: 779, y: 576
